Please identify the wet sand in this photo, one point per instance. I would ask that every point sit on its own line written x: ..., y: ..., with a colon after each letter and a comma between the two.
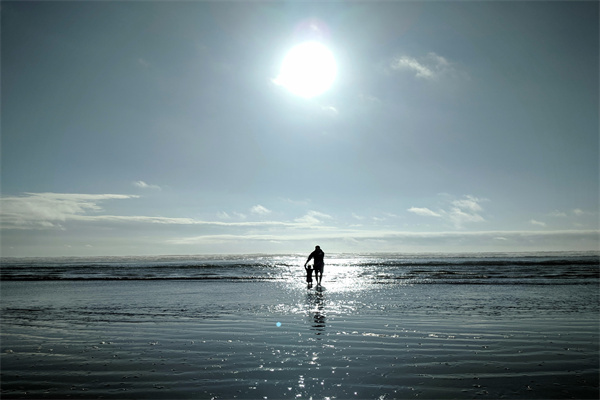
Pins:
x: 183, y: 339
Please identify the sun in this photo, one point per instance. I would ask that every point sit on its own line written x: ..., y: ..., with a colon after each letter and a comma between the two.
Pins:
x: 308, y: 70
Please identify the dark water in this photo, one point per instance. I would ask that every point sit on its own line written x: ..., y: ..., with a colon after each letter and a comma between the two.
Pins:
x: 491, y: 269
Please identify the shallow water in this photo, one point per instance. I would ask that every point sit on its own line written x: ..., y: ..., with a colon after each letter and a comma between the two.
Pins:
x: 276, y: 339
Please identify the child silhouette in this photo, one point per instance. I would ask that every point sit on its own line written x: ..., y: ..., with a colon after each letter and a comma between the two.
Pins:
x: 309, y: 271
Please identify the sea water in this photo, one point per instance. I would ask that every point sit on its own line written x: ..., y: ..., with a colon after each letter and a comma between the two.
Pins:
x: 487, y: 268
x: 381, y: 326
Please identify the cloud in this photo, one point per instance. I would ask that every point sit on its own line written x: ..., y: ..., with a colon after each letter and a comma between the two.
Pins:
x: 578, y: 212
x: 223, y: 215
x: 144, y: 185
x: 54, y: 210
x: 369, y: 99
x: 409, y: 63
x: 539, y: 223
x: 49, y: 210
x: 557, y: 213
x: 258, y: 209
x: 464, y: 211
x: 175, y: 221
x: 469, y: 204
x: 304, y: 202
x: 312, y: 218
x: 330, y: 111
x: 72, y: 214
x: 429, y: 67
x: 387, y: 240
x: 458, y: 212
x: 425, y: 212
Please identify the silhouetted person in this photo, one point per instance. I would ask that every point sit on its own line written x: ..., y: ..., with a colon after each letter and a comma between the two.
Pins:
x: 309, y: 272
x: 318, y: 256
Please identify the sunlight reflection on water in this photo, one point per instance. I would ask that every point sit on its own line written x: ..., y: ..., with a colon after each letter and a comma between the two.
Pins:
x: 340, y: 274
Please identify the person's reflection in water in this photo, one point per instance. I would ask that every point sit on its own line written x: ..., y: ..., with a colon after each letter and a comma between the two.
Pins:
x: 316, y: 303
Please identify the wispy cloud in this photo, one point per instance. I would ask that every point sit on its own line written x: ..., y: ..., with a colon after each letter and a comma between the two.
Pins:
x: 55, y: 210
x: 144, y: 185
x: 176, y: 221
x: 369, y: 99
x: 303, y: 202
x: 429, y: 67
x: 260, y: 210
x: 423, y: 211
x: 330, y: 111
x: 458, y: 211
x: 50, y: 210
x: 223, y: 215
x: 72, y: 213
x: 558, y: 214
x: 538, y: 223
x: 577, y: 212
x: 386, y: 240
x: 466, y: 210
x: 313, y: 218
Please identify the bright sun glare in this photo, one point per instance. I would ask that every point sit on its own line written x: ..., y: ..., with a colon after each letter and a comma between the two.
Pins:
x: 307, y: 70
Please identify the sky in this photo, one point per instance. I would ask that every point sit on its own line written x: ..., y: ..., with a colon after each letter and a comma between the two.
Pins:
x: 148, y: 128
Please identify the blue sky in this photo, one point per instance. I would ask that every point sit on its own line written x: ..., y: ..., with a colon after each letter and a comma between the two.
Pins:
x: 133, y: 128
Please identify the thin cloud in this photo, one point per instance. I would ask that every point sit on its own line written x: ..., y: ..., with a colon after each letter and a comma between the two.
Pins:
x: 296, y: 202
x: 54, y: 210
x: 365, y: 238
x: 408, y: 63
x: 330, y: 111
x: 223, y: 215
x: 313, y: 217
x: 466, y: 210
x: 538, y: 223
x: 576, y: 212
x: 258, y: 209
x: 468, y: 204
x: 423, y: 211
x: 50, y: 210
x: 558, y: 214
x: 369, y: 99
x: 144, y: 185
x: 457, y: 212
x: 240, y: 215
x: 429, y: 67
x: 175, y: 221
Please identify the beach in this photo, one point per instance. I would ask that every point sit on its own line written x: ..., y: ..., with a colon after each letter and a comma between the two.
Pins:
x: 273, y: 339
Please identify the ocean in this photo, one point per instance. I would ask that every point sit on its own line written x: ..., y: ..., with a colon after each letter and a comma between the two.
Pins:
x: 381, y: 326
x: 488, y: 269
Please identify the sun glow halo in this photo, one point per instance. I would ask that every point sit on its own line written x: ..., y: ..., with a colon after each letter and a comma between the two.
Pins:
x: 308, y: 70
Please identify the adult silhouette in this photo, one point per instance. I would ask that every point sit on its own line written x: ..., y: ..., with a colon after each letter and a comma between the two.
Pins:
x: 318, y: 265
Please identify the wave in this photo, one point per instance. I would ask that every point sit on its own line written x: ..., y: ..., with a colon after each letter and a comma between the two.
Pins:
x: 425, y: 269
